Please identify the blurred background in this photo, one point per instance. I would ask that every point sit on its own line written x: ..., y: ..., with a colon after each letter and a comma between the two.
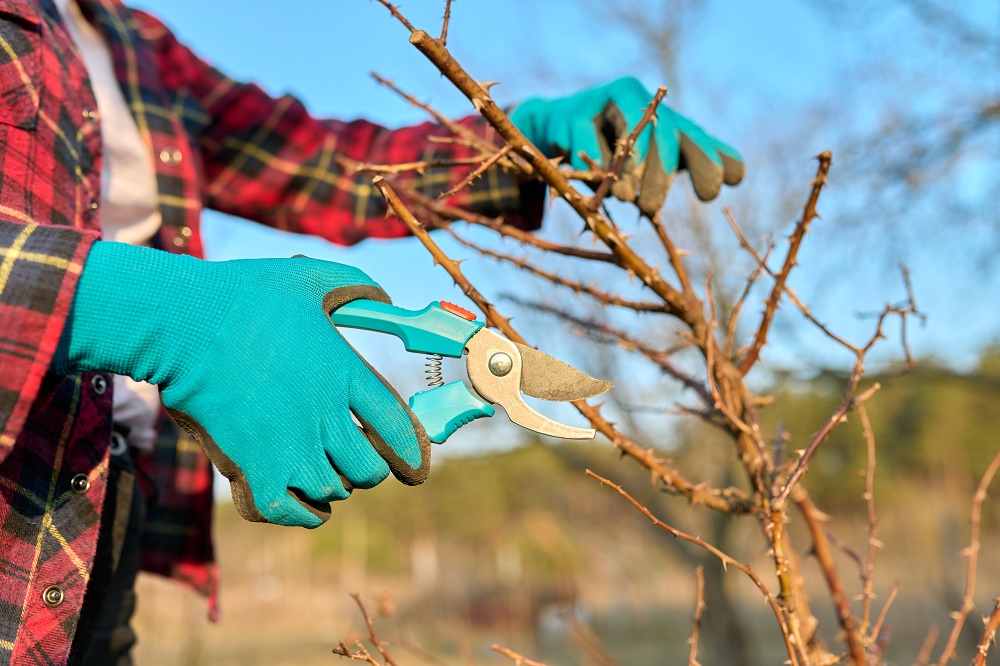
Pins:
x: 509, y: 542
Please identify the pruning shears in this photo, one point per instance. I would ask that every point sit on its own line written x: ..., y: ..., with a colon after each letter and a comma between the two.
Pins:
x: 499, y: 369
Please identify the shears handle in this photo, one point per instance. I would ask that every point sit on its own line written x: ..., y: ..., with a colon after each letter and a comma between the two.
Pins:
x: 434, y: 330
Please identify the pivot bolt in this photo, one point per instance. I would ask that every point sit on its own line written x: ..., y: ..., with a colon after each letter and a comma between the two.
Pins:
x: 501, y: 364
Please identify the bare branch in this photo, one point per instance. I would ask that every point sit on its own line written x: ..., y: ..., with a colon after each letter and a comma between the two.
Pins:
x: 968, y: 600
x: 476, y: 173
x: 444, y: 25
x: 795, y: 241
x: 556, y: 279
x: 723, y: 557
x: 448, y: 213
x: 868, y: 573
x: 372, y: 636
x: 395, y: 12
x: 699, y: 609
x: 877, y: 627
x: 846, y: 407
x: 989, y: 637
x: 821, y: 549
x: 519, y: 659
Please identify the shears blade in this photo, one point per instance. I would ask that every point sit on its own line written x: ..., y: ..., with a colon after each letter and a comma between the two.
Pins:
x: 548, y: 378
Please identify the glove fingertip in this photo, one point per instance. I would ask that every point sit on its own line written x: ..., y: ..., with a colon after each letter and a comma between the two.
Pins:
x: 733, y: 169
x: 706, y: 174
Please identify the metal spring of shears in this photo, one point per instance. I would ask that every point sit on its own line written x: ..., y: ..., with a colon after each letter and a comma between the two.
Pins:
x: 433, y: 370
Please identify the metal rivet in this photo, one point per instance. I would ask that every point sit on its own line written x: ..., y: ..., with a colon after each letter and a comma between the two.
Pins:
x: 180, y: 241
x: 171, y: 156
x: 100, y: 384
x: 501, y: 364
x: 80, y: 483
x: 53, y: 596
x: 89, y: 113
x: 93, y: 205
x: 185, y: 232
x: 119, y: 445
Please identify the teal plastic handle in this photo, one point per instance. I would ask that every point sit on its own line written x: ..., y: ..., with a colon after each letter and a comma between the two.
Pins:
x: 432, y: 330
x: 444, y: 409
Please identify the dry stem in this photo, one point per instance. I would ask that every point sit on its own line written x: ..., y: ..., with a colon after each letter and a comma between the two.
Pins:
x: 968, y: 599
x: 699, y: 610
x: 795, y: 241
x: 519, y: 659
x: 723, y: 557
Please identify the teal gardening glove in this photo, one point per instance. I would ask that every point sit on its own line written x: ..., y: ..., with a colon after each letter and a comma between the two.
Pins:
x: 592, y: 121
x: 248, y: 362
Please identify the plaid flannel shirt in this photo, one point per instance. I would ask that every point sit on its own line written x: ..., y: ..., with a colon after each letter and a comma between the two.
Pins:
x: 216, y: 143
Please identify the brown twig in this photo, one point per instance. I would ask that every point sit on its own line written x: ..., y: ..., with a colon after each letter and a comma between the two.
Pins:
x: 354, y: 166
x: 463, y: 133
x: 989, y: 637
x: 362, y: 654
x: 722, y: 556
x: 476, y: 173
x: 448, y: 213
x: 927, y: 647
x: 734, y: 315
x: 447, y: 19
x: 968, y: 599
x: 397, y: 15
x: 699, y: 610
x: 846, y: 407
x: 519, y: 659
x: 795, y: 241
x: 824, y: 556
x: 555, y: 278
x: 877, y: 627
x: 624, y: 148
x: 372, y: 636
x: 868, y: 573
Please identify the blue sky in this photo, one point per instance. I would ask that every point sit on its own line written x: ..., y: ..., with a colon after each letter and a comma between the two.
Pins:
x: 742, y: 62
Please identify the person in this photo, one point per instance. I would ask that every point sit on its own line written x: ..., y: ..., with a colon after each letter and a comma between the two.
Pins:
x: 113, y: 137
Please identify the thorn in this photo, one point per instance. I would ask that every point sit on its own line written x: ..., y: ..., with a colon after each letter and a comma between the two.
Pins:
x: 486, y: 85
x: 478, y: 103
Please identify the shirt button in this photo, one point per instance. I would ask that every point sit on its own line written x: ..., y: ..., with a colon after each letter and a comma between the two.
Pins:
x: 171, y: 156
x: 182, y: 237
x: 80, y: 483
x: 93, y: 204
x: 99, y: 384
x: 53, y: 596
x: 89, y: 113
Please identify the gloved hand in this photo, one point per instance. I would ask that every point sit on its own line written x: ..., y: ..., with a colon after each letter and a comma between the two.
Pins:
x: 594, y: 119
x: 248, y: 362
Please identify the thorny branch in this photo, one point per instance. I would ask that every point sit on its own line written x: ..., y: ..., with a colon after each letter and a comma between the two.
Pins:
x: 697, y: 493
x: 726, y: 560
x: 729, y: 403
x: 968, y: 599
x: 362, y: 654
x: 794, y: 243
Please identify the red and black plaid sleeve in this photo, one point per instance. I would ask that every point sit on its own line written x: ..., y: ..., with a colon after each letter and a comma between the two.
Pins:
x: 39, y: 268
x: 268, y: 160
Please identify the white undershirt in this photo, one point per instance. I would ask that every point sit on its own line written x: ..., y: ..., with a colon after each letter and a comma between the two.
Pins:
x: 129, y: 209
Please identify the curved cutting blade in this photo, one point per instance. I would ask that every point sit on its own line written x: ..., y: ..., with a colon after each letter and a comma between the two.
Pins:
x: 550, y: 379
